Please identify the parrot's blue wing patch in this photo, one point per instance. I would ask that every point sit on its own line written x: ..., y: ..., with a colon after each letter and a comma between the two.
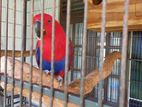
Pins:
x: 46, y: 65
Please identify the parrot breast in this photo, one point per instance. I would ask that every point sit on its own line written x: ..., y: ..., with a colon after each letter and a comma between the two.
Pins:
x: 59, y: 54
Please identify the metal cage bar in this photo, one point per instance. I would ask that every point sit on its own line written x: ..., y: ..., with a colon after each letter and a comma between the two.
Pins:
x: 102, y: 51
x: 129, y: 66
x: 13, y: 53
x: 108, y: 37
x: 6, y: 42
x: 41, y: 52
x: 31, y: 51
x: 0, y: 28
x: 25, y: 22
x: 67, y: 51
x: 124, y: 55
x: 52, y: 51
x: 84, y: 52
x: 73, y: 40
x: 22, y: 49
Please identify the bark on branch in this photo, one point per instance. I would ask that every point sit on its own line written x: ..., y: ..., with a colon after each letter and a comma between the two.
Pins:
x: 91, y: 80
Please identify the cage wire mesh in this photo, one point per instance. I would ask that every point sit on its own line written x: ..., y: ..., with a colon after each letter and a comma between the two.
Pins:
x: 135, y: 95
x: 16, y: 33
x: 111, y: 84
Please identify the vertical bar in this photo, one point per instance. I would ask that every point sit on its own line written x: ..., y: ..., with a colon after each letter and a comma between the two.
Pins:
x: 73, y: 40
x: 41, y: 51
x: 52, y: 51
x: 67, y: 51
x: 129, y: 69
x: 22, y: 49
x: 136, y: 70
x: 101, y: 51
x: 133, y: 65
x: 120, y: 45
x: 124, y: 55
x: 140, y: 66
x: 137, y: 67
x: 0, y: 28
x: 95, y: 48
x: 88, y: 67
x: 5, y: 72
x: 108, y: 39
x: 95, y: 60
x: 25, y: 21
x: 84, y: 52
x: 31, y: 50
x: 13, y: 53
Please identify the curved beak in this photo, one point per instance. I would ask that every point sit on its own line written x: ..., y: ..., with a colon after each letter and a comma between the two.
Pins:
x: 37, y: 26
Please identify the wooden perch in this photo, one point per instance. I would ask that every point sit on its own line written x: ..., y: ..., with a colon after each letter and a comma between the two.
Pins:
x: 17, y: 53
x: 45, y: 99
x: 26, y: 72
x: 35, y: 79
x: 91, y: 80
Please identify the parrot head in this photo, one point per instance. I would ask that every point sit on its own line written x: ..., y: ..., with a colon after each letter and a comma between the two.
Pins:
x: 47, y: 24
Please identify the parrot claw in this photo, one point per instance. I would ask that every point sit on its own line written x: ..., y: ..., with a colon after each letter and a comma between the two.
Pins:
x: 46, y: 71
x: 60, y: 81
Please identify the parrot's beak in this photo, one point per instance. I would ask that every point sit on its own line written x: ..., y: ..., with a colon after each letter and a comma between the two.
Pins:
x: 37, y: 26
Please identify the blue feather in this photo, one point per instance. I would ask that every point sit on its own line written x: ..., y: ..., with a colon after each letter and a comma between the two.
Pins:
x: 46, y: 65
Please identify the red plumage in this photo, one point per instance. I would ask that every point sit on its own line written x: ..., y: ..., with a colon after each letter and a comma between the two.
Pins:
x: 60, y: 40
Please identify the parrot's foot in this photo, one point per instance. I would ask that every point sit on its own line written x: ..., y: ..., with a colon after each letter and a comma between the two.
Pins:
x: 46, y: 71
x: 60, y: 81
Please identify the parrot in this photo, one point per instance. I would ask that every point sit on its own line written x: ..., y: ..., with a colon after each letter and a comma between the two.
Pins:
x: 59, y: 46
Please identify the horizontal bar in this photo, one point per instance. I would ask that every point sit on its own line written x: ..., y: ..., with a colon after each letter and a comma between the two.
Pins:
x: 135, y: 59
x: 98, y: 46
x: 57, y: 93
x: 135, y: 99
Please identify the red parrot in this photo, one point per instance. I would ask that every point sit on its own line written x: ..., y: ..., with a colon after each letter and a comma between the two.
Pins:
x: 59, y: 46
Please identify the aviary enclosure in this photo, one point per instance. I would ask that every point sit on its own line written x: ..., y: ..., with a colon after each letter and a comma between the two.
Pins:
x: 106, y: 38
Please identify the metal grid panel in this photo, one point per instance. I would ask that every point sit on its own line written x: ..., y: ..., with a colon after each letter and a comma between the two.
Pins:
x: 111, y: 84
x: 135, y: 95
x: 100, y: 51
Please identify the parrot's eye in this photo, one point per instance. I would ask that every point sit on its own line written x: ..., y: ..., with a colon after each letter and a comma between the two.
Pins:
x: 49, y: 21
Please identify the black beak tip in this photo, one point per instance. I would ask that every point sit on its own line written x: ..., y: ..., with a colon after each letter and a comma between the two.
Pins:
x: 37, y: 26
